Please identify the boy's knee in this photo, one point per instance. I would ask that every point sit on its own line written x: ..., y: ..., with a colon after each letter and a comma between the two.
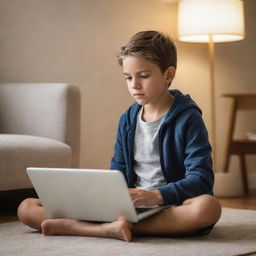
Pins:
x: 207, y: 209
x: 23, y: 209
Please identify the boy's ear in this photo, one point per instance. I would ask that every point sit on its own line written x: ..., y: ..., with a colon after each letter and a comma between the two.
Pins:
x: 170, y: 73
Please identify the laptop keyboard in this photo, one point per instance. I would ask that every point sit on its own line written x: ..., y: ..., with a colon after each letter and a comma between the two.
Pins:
x: 141, y: 210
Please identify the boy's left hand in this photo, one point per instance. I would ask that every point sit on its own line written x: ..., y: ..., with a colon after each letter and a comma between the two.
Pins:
x: 145, y: 197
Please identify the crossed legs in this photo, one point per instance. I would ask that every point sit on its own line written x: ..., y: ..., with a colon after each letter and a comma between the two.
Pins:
x: 192, y: 215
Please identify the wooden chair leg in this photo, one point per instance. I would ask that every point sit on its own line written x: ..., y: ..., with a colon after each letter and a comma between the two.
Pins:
x: 244, y: 172
x: 231, y: 128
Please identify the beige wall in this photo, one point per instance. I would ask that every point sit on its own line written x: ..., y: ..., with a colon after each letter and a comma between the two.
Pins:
x: 76, y: 41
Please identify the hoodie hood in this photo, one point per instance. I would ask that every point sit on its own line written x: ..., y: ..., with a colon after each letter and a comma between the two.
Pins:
x: 182, y: 102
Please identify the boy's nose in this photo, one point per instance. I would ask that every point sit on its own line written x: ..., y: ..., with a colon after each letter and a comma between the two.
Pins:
x: 136, y: 84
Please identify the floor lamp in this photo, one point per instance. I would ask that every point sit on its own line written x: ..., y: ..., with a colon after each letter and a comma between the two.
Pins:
x: 210, y: 21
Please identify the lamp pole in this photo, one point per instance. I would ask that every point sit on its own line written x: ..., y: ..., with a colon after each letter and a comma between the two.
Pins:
x: 212, y: 96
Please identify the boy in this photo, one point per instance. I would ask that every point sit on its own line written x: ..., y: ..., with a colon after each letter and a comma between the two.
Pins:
x: 162, y: 149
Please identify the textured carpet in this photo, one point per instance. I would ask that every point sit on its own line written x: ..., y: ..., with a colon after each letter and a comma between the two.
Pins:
x: 235, y: 234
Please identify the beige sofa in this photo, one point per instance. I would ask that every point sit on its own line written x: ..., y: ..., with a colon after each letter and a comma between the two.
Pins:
x: 39, y: 127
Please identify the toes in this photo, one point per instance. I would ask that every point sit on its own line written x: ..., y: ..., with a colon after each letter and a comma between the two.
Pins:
x: 127, y: 237
x: 126, y: 233
x: 45, y: 228
x: 125, y: 229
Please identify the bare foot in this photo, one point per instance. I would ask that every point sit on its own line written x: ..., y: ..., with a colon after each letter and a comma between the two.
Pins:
x: 59, y: 227
x: 120, y: 229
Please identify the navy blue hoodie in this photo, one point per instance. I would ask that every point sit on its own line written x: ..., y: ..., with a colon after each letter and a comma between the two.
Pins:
x: 185, y: 153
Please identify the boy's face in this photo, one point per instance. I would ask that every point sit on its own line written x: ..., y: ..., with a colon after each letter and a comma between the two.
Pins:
x: 145, y: 81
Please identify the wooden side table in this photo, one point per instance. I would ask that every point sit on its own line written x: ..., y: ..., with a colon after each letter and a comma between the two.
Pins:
x: 240, y: 147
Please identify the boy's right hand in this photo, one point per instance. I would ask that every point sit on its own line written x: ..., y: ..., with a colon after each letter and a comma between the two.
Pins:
x: 145, y: 197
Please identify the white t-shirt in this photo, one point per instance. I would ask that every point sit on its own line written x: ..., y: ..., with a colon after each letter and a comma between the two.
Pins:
x: 146, y: 154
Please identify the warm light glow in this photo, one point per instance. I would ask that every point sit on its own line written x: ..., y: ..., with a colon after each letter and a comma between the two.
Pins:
x: 223, y: 19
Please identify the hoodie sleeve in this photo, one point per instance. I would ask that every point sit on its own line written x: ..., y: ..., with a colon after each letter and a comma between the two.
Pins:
x: 118, y: 160
x: 197, y: 161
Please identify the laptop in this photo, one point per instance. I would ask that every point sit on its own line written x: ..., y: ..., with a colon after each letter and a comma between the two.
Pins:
x: 86, y: 194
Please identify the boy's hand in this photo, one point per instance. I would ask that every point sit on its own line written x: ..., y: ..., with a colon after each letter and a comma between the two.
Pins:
x: 145, y: 197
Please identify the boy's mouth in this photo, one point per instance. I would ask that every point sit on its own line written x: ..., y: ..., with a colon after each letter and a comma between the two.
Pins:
x: 138, y: 94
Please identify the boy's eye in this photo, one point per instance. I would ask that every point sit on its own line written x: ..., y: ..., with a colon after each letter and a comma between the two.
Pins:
x: 144, y: 76
x: 129, y: 78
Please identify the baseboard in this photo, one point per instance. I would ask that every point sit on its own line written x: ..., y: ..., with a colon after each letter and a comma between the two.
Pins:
x: 252, y: 181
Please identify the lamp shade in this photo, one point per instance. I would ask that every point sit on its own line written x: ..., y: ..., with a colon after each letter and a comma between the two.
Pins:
x: 222, y: 19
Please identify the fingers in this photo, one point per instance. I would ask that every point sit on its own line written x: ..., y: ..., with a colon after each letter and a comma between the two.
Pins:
x: 136, y: 196
x: 139, y: 197
x: 145, y: 197
x: 141, y: 202
x: 134, y: 193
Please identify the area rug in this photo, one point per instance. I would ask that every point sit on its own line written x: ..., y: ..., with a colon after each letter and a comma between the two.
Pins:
x: 235, y: 234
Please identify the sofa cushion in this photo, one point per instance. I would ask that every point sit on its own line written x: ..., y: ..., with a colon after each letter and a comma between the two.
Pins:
x: 17, y: 152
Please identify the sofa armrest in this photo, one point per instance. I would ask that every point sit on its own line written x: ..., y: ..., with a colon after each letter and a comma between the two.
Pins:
x: 42, y: 109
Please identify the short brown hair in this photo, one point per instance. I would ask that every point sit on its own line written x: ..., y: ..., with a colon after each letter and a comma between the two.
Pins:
x: 152, y: 45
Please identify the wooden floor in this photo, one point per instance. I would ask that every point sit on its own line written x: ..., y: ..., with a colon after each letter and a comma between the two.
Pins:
x: 246, y: 202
